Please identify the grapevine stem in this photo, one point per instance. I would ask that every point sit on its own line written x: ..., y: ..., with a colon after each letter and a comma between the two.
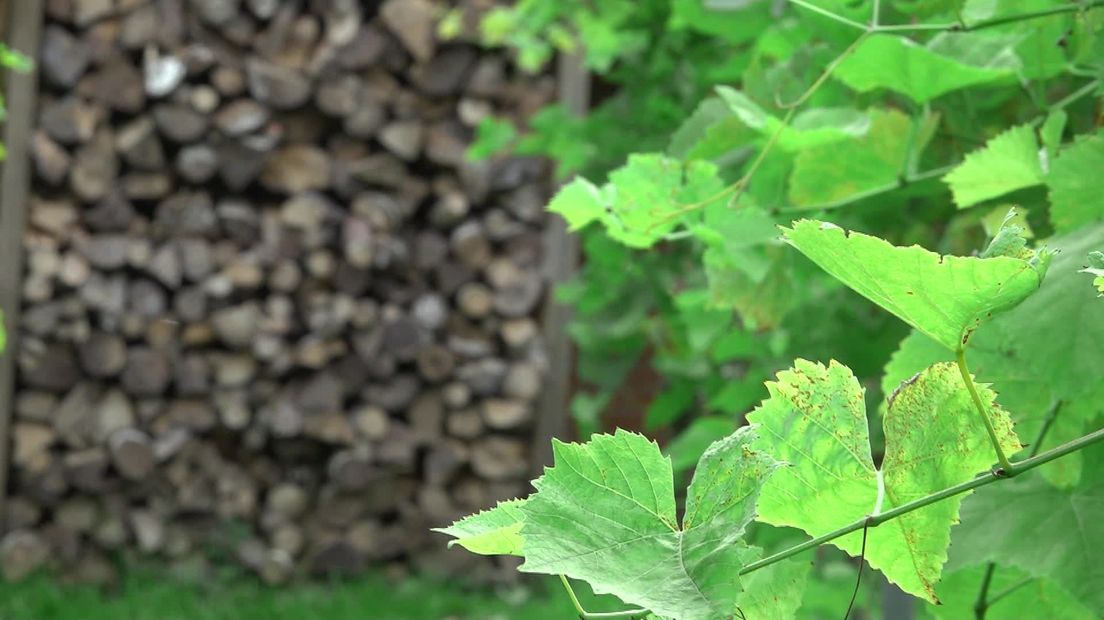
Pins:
x: 984, y: 479
x: 596, y: 615
x: 981, y: 606
x: 1005, y: 464
x: 830, y: 15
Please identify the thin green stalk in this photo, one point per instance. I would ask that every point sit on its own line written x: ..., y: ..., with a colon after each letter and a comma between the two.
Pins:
x: 984, y: 479
x: 827, y: 73
x: 1005, y: 464
x: 1010, y: 589
x: 996, y: 21
x: 829, y: 14
x: 596, y: 615
x: 981, y: 606
x: 761, y: 156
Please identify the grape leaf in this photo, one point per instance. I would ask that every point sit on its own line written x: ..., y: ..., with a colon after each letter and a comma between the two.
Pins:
x: 946, y: 297
x: 605, y: 513
x: 1076, y: 184
x: 814, y: 127
x: 1063, y: 526
x: 496, y: 531
x: 903, y: 66
x: 958, y: 593
x: 1006, y: 163
x: 580, y: 202
x: 815, y: 420
x: 829, y: 173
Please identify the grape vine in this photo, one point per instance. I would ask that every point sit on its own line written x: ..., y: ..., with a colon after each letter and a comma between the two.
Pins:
x: 972, y: 127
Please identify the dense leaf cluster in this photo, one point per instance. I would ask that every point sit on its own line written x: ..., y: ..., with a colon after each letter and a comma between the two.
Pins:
x: 972, y: 128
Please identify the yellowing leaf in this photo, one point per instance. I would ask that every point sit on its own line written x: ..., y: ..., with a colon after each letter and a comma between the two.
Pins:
x: 946, y: 297
x: 492, y: 532
x: 815, y: 420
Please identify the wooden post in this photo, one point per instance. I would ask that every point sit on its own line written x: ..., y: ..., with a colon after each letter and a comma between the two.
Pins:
x: 561, y: 250
x: 24, y: 21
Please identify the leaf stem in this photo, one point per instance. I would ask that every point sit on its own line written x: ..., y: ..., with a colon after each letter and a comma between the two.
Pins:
x: 1010, y: 589
x: 984, y: 479
x: 1005, y: 464
x: 830, y: 15
x: 994, y: 22
x: 596, y: 615
x: 981, y: 606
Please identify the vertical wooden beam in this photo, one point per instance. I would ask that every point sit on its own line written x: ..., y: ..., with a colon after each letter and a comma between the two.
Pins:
x: 24, y: 21
x: 561, y: 252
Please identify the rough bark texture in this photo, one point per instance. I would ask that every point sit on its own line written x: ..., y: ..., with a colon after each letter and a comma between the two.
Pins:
x: 265, y: 288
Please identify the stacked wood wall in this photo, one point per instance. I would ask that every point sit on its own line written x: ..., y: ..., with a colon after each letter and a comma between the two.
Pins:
x: 269, y: 310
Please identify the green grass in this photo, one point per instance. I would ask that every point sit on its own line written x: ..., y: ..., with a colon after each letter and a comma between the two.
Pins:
x: 149, y: 595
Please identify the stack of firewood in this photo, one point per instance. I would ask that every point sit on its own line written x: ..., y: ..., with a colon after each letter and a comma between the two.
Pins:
x: 270, y: 308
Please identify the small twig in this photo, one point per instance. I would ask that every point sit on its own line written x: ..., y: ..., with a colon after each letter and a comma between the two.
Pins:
x: 858, y: 579
x: 826, y: 73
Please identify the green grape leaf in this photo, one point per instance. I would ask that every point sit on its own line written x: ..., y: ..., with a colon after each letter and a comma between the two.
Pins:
x: 1076, y: 184
x: 827, y: 174
x: 1033, y: 358
x: 496, y: 531
x: 605, y: 513
x: 643, y: 199
x: 946, y: 297
x: 903, y: 66
x: 1063, y: 526
x: 580, y: 202
x: 959, y: 589
x: 3, y: 333
x: 814, y: 127
x: 815, y: 420
x: 1006, y: 163
x: 1095, y: 268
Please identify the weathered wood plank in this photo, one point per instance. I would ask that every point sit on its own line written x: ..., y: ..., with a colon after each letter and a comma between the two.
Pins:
x: 25, y: 19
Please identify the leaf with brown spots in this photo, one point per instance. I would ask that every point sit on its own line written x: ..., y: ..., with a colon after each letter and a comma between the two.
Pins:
x: 946, y: 297
x: 815, y: 420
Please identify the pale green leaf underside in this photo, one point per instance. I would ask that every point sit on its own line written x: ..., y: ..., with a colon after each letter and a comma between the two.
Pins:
x: 605, y: 513
x: 814, y: 127
x: 946, y: 297
x: 580, y: 202
x: 496, y: 531
x: 1076, y: 183
x: 815, y: 421
x: 1005, y: 164
x: 898, y: 64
